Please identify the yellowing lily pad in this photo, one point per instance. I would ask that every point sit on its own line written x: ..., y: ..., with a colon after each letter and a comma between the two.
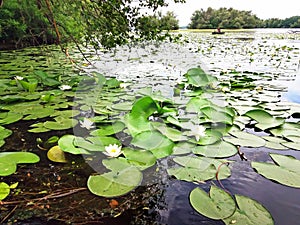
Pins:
x: 55, y: 154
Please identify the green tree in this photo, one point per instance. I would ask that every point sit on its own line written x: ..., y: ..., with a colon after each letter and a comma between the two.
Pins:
x: 109, y: 23
x: 225, y: 18
x: 169, y: 21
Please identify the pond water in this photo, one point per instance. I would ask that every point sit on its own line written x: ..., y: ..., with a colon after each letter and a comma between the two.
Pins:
x: 262, y: 51
x: 270, y: 58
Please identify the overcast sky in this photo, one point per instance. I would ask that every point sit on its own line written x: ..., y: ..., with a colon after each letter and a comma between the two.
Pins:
x: 264, y: 9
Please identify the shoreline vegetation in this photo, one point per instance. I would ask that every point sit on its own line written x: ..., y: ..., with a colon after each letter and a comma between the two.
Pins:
x: 32, y: 23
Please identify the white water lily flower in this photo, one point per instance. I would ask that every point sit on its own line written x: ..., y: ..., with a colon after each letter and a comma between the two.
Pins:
x: 225, y: 89
x: 113, y: 150
x: 198, y: 131
x: 65, y: 87
x: 87, y: 123
x: 19, y: 78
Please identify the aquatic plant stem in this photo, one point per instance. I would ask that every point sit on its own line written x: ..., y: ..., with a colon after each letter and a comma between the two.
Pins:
x: 58, y: 194
x: 217, y: 177
x: 8, y: 215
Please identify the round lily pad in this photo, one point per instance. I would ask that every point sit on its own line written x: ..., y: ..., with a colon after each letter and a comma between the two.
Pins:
x: 115, y: 183
x: 55, y: 154
x: 249, y: 212
x: 217, y: 205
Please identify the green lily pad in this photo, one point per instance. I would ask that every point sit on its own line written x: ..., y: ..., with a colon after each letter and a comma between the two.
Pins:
x: 197, y: 169
x: 285, y: 172
x: 249, y: 212
x: 60, y: 123
x: 109, y: 129
x: 19, y: 157
x: 211, y: 136
x: 140, y: 158
x: 40, y: 113
x: 115, y: 183
x: 183, y: 148
x: 171, y: 133
x: 66, y: 144
x: 9, y: 117
x: 245, y: 139
x: 217, y: 205
x: 154, y: 141
x: 196, y: 103
x: 9, y: 161
x: 144, y: 107
x: 122, y: 106
x: 265, y: 120
x: 198, y: 78
x: 274, y: 143
x: 4, y: 133
x: 4, y: 190
x: 215, y: 115
x: 220, y: 149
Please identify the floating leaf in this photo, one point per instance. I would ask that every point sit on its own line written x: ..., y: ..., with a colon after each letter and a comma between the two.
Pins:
x: 139, y: 158
x: 183, y: 148
x: 122, y: 106
x: 9, y: 161
x: 249, y: 212
x: 109, y: 129
x: 154, y: 141
x: 274, y: 143
x: 265, y: 120
x: 198, y: 78
x: 4, y: 133
x: 285, y: 172
x: 199, y: 169
x: 219, y: 149
x: 9, y: 117
x: 115, y: 183
x: 217, y: 205
x: 215, y: 115
x: 55, y: 154
x: 171, y: 133
x: 245, y: 139
x: 4, y: 190
x: 61, y: 123
x: 66, y: 144
x: 196, y: 103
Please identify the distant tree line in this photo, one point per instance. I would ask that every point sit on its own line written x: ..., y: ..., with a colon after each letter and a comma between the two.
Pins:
x: 230, y: 18
x: 151, y: 23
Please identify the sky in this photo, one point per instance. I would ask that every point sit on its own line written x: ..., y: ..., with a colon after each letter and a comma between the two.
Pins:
x: 264, y: 9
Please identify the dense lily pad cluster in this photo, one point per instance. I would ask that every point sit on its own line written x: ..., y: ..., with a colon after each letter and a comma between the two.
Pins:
x: 206, y: 131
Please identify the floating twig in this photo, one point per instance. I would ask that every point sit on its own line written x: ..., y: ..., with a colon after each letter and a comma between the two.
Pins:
x: 53, y: 195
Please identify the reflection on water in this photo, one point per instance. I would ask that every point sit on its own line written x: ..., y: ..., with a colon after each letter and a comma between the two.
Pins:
x: 293, y: 93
